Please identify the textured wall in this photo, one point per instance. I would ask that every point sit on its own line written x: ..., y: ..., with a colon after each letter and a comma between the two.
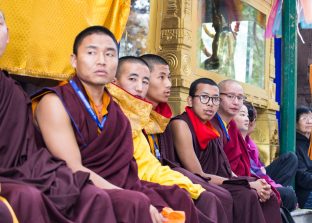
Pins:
x: 304, y: 59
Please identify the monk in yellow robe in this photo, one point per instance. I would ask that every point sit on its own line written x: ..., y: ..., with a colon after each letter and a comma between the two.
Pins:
x: 132, y: 79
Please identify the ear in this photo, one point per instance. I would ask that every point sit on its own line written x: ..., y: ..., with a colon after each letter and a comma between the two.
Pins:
x: 73, y: 60
x: 189, y: 101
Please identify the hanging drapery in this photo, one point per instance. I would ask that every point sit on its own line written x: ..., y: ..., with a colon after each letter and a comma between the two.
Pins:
x: 42, y: 32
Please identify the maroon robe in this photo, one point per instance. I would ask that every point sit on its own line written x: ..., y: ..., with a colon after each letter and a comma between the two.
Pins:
x: 40, y: 188
x: 5, y: 214
x: 110, y: 154
x: 236, y: 151
x: 213, y: 160
x: 220, y: 205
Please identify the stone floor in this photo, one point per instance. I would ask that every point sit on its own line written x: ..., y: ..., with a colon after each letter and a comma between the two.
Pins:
x: 302, y: 216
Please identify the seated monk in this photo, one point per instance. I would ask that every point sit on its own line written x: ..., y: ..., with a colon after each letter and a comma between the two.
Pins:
x: 160, y: 143
x: 39, y: 187
x: 199, y: 149
x: 133, y: 77
x: 281, y: 172
x: 231, y: 100
x: 82, y: 125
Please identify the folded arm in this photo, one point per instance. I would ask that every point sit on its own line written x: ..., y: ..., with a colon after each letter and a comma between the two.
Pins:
x: 183, y: 142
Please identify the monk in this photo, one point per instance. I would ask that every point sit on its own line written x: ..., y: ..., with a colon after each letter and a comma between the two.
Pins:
x: 231, y: 101
x: 280, y: 172
x: 133, y: 77
x: 81, y: 124
x: 160, y: 142
x: 198, y: 148
x: 38, y: 187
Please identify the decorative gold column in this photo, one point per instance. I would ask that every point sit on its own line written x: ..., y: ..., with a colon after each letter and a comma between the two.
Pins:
x: 266, y: 135
x: 175, y: 46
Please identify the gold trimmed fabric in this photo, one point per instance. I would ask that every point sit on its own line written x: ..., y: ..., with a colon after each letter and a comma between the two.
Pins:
x: 156, y: 124
x: 42, y: 32
x: 135, y: 109
x: 6, y: 203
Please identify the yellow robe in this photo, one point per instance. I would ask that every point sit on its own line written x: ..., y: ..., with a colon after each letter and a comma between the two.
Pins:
x: 149, y: 168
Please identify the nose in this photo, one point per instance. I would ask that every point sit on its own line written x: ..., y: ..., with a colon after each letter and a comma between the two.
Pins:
x: 101, y: 58
x: 209, y: 103
x: 236, y: 101
x: 139, y: 87
x: 168, y: 83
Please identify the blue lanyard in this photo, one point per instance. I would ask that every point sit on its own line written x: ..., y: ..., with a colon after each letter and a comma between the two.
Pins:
x: 88, y: 106
x: 223, y: 127
x: 156, y: 148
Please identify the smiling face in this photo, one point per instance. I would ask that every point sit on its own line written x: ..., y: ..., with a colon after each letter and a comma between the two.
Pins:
x: 4, y: 36
x: 96, y: 60
x: 204, y: 112
x: 160, y: 84
x: 242, y: 120
x: 134, y: 78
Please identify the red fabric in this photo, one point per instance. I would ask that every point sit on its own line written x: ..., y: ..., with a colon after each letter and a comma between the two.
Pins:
x: 203, y: 131
x: 236, y: 151
x: 164, y: 110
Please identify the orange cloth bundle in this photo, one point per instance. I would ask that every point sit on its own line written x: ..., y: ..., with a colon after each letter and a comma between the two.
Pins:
x: 173, y: 216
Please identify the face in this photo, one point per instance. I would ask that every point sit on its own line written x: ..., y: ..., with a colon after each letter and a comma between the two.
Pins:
x: 304, y: 124
x: 96, y: 60
x: 232, y: 99
x: 134, y: 78
x: 160, y: 84
x: 4, y: 36
x: 242, y: 120
x: 205, y: 112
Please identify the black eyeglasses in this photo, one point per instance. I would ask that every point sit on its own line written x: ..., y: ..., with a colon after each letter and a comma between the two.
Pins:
x: 205, y: 99
x: 240, y: 98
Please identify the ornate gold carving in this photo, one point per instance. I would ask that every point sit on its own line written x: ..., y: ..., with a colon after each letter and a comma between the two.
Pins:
x: 176, y: 36
x: 172, y: 8
x: 172, y: 60
x: 266, y: 135
x: 186, y: 64
x: 259, y: 135
x: 274, y: 137
x: 188, y: 7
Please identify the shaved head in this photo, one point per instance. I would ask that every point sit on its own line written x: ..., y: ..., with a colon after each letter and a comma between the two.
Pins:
x: 223, y: 85
x: 231, y: 99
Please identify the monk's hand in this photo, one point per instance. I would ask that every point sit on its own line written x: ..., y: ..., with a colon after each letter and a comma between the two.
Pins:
x: 156, y: 216
x: 263, y: 189
x: 266, y: 190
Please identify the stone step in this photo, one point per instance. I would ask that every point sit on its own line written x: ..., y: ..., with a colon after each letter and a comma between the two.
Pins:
x: 302, y: 215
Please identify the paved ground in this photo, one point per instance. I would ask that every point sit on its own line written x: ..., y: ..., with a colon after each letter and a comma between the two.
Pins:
x: 302, y: 216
